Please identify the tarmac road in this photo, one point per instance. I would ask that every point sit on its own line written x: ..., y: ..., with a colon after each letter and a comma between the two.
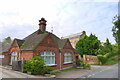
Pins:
x: 104, y: 72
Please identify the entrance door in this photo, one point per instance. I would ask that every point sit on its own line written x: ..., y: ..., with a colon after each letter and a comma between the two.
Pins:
x: 13, y: 57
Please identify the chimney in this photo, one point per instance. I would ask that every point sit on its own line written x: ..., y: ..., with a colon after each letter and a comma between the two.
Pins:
x: 42, y: 24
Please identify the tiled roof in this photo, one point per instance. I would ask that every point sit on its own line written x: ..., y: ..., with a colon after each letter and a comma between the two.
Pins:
x: 4, y: 47
x: 31, y: 41
x: 60, y: 42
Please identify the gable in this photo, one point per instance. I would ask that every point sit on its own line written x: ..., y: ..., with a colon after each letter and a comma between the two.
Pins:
x: 14, y: 46
x: 67, y: 45
x: 48, y: 41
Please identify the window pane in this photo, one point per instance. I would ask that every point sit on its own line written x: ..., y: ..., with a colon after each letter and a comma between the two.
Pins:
x: 49, y: 57
x: 67, y: 57
x: 47, y: 53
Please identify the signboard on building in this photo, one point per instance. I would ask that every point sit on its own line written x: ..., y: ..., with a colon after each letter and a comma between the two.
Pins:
x: 2, y: 56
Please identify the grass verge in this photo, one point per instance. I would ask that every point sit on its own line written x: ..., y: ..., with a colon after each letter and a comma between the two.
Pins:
x: 72, y: 68
x: 54, y: 73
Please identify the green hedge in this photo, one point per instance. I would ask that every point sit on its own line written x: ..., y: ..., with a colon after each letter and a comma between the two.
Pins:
x: 101, y: 59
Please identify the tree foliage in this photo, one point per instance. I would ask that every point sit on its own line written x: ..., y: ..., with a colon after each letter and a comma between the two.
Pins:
x: 105, y: 48
x: 7, y: 40
x: 88, y: 45
x: 106, y: 51
x: 116, y: 30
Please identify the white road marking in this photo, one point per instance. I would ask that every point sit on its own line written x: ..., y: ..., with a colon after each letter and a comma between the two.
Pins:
x: 89, y: 75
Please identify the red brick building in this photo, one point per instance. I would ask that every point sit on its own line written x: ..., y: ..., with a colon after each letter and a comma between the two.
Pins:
x: 57, y: 53
x: 4, y: 53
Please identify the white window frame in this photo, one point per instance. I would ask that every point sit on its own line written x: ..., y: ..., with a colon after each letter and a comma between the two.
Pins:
x: 66, y: 55
x: 43, y: 54
x: 14, y: 55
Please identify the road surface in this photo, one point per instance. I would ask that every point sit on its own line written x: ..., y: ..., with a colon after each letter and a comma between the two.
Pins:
x: 104, y: 72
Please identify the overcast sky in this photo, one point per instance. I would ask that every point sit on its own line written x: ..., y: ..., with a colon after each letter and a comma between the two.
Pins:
x: 19, y: 18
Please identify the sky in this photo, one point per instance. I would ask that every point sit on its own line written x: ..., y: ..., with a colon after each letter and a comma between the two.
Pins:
x: 19, y: 18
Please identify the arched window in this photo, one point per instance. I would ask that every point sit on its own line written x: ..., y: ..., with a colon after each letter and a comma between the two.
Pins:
x: 67, y: 58
x: 49, y: 58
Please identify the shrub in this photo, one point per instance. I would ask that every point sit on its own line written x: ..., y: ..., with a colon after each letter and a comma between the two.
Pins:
x: 101, y: 59
x: 87, y: 65
x: 79, y: 63
x: 46, y: 70
x: 34, y: 65
x: 112, y: 60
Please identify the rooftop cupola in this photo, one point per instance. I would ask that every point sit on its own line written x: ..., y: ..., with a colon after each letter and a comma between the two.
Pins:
x: 42, y: 24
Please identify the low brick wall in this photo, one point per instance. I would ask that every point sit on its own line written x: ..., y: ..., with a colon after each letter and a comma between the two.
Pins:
x: 90, y: 59
x: 5, y: 60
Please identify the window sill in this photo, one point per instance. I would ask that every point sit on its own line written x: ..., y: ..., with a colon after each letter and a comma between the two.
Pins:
x: 50, y: 65
x: 68, y: 63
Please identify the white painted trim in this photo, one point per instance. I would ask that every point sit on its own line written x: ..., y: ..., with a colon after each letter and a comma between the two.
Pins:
x: 50, y: 64
x: 68, y: 62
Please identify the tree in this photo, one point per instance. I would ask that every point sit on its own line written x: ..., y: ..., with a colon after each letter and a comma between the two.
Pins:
x: 105, y: 48
x: 88, y: 45
x: 116, y: 30
x: 7, y: 40
x: 94, y: 43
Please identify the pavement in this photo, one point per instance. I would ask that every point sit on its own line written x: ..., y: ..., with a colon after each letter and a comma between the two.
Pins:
x: 76, y: 73
x: 7, y: 72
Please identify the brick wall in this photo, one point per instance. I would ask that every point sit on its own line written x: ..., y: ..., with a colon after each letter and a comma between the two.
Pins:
x: 26, y: 55
x: 49, y: 45
x: 5, y: 60
x: 90, y: 59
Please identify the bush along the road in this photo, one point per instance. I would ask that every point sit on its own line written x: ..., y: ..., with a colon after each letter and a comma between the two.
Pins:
x: 102, y: 59
x: 80, y: 63
x: 107, y: 52
x: 46, y: 70
x: 36, y: 66
x: 87, y: 65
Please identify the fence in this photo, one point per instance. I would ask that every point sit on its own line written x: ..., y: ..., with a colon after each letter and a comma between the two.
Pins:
x: 18, y: 65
